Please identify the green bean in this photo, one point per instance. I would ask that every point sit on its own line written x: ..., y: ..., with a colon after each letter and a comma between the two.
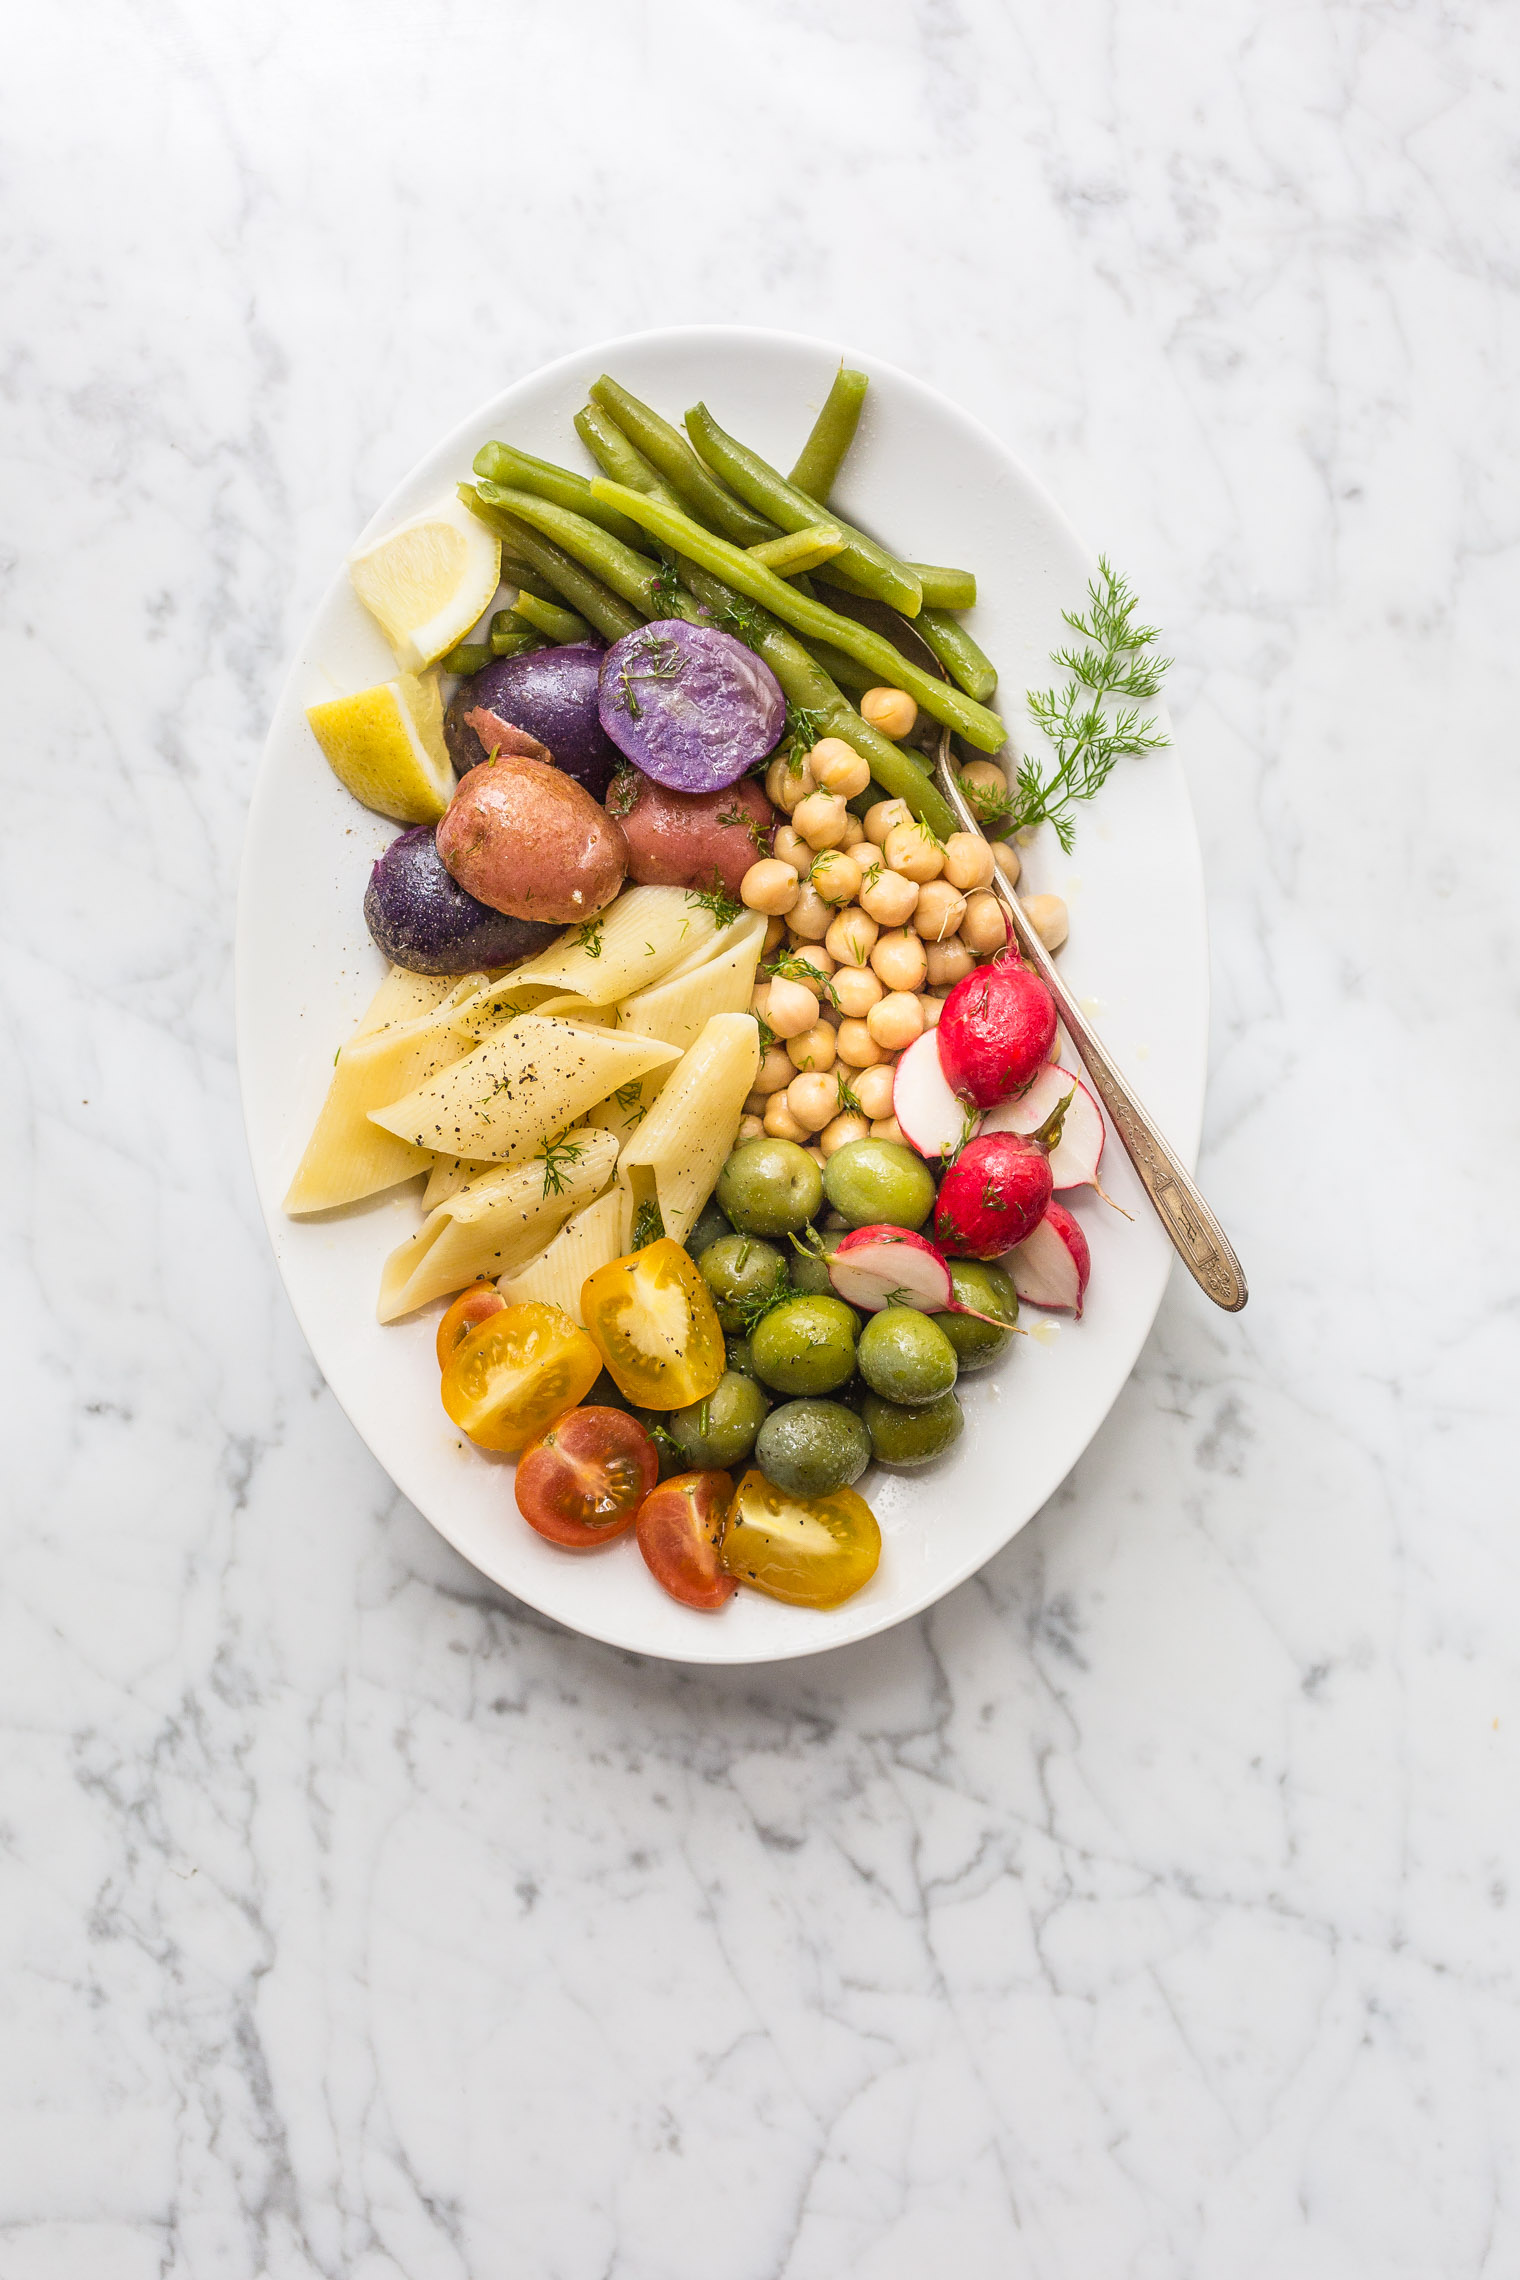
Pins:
x: 632, y: 576
x: 465, y: 657
x: 731, y: 563
x: 513, y: 470
x: 832, y: 434
x: 945, y: 589
x: 558, y: 624
x: 860, y: 558
x: 512, y: 636
x: 961, y: 657
x: 524, y: 577
x: 703, y: 496
x: 799, y: 549
x: 611, y: 617
x: 618, y: 457
x: 847, y: 671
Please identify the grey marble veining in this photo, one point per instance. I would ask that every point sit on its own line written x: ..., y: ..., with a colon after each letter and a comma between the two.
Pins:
x: 1148, y: 1908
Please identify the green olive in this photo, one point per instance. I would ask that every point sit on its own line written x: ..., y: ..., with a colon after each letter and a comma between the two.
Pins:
x: 738, y: 1270
x: 878, y: 1183
x: 770, y: 1187
x: 910, y: 1437
x: 988, y: 1288
x: 905, y: 1357
x: 673, y: 1458
x: 810, y: 1269
x: 739, y: 1356
x: 720, y: 1432
x: 711, y: 1224
x: 810, y: 1448
x: 806, y: 1345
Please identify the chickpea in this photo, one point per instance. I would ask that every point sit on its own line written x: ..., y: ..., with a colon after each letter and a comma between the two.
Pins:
x: 838, y: 767
x: 854, y: 832
x: 786, y: 787
x: 813, y: 1099
x: 780, y: 1122
x: 887, y: 896
x: 983, y: 776
x: 791, y: 1008
x: 912, y: 849
x: 812, y: 959
x: 820, y: 819
x: 843, y: 1129
x: 940, y: 911
x: 884, y: 817
x: 891, y: 712
x: 858, y: 1049
x: 984, y: 928
x: 750, y: 1128
x: 810, y: 917
x: 775, y: 931
x: 857, y: 990
x: 836, y: 876
x: 888, y: 1128
x: 787, y: 847
x: 949, y: 961
x: 1047, y: 915
x: 1006, y: 857
x: 774, y: 1074
x: 873, y: 1090
x: 932, y: 1008
x: 852, y: 937
x: 814, y: 1049
x: 818, y: 1156
x: 901, y: 961
x: 896, y: 1021
x: 968, y: 860
x: 771, y: 887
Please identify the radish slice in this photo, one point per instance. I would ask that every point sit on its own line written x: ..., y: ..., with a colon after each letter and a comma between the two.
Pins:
x: 1077, y: 1154
x: 889, y: 1266
x: 1050, y: 1267
x: 929, y: 1116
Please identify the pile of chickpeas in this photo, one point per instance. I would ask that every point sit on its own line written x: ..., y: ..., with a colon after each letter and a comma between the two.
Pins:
x: 874, y: 923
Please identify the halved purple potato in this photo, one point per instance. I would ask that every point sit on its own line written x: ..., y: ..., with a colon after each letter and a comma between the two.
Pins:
x: 549, y: 693
x: 690, y: 705
x: 422, y: 918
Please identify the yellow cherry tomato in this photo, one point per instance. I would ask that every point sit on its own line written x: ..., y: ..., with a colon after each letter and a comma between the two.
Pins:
x: 811, y: 1551
x: 516, y: 1372
x: 653, y: 1317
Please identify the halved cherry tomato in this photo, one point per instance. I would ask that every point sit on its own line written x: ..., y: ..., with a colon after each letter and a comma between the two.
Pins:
x: 812, y: 1551
x: 581, y: 1483
x: 470, y: 1308
x: 653, y: 1317
x: 516, y: 1372
x: 678, y: 1531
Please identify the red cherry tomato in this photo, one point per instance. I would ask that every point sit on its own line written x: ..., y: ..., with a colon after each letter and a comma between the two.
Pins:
x: 582, y: 1483
x: 469, y: 1310
x: 679, y: 1529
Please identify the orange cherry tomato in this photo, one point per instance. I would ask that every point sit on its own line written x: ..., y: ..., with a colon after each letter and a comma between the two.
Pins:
x: 678, y: 1531
x: 812, y: 1551
x: 470, y: 1308
x: 654, y: 1319
x: 581, y: 1484
x: 516, y: 1372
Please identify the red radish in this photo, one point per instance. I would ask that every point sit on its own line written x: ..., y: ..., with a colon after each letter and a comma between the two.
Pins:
x: 996, y: 1029
x: 930, y: 1117
x: 875, y: 1267
x: 1075, y: 1158
x: 993, y: 1195
x: 1050, y: 1268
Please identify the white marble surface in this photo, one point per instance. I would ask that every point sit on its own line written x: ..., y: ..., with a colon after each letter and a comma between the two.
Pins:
x: 1147, y: 1910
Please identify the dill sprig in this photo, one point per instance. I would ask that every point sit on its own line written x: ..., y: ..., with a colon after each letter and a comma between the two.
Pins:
x: 754, y: 1309
x: 989, y: 806
x: 717, y: 902
x: 738, y: 817
x: 590, y: 938
x: 805, y: 726
x: 657, y: 657
x: 791, y: 966
x: 745, y: 620
x: 623, y: 792
x: 648, y: 1224
x: 560, y: 1157
x: 1086, y: 721
x: 666, y: 590
x: 849, y: 1099
x: 627, y: 1098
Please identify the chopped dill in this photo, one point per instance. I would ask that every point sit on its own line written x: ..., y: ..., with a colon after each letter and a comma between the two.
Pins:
x: 648, y: 1225
x: 560, y: 1158
x: 653, y: 657
x: 666, y: 593
x: 623, y: 792
x: 792, y: 966
x: 719, y: 904
x: 754, y: 1309
x: 590, y: 938
x: 739, y: 818
x: 849, y: 1100
x: 745, y: 620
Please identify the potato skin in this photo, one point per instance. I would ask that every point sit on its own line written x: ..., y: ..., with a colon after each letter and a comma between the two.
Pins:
x: 675, y: 839
x: 528, y: 840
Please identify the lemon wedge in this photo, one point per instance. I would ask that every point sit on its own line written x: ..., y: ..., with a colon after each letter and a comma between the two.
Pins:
x: 386, y: 746
x: 428, y: 581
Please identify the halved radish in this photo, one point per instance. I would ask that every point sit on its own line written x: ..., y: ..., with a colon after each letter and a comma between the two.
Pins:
x: 1050, y: 1268
x: 1075, y: 1158
x: 929, y: 1116
x: 875, y: 1267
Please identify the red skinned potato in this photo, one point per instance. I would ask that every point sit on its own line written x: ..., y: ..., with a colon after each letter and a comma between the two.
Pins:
x: 690, y: 839
x: 527, y: 839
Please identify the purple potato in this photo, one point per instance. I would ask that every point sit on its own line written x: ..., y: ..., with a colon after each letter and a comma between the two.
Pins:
x: 421, y: 917
x: 690, y: 706
x: 550, y: 693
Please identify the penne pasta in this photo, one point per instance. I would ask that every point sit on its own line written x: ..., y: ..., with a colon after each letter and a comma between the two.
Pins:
x: 592, y: 1239
x: 526, y: 1082
x: 689, y: 1131
x: 347, y: 1156
x: 496, y: 1224
x: 635, y: 941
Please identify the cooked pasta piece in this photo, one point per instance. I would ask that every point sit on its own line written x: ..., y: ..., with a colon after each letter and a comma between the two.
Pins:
x: 348, y: 1157
x: 404, y: 996
x: 523, y: 1084
x: 635, y: 941
x: 496, y: 1224
x: 676, y: 1009
x: 592, y: 1239
x: 691, y: 1127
